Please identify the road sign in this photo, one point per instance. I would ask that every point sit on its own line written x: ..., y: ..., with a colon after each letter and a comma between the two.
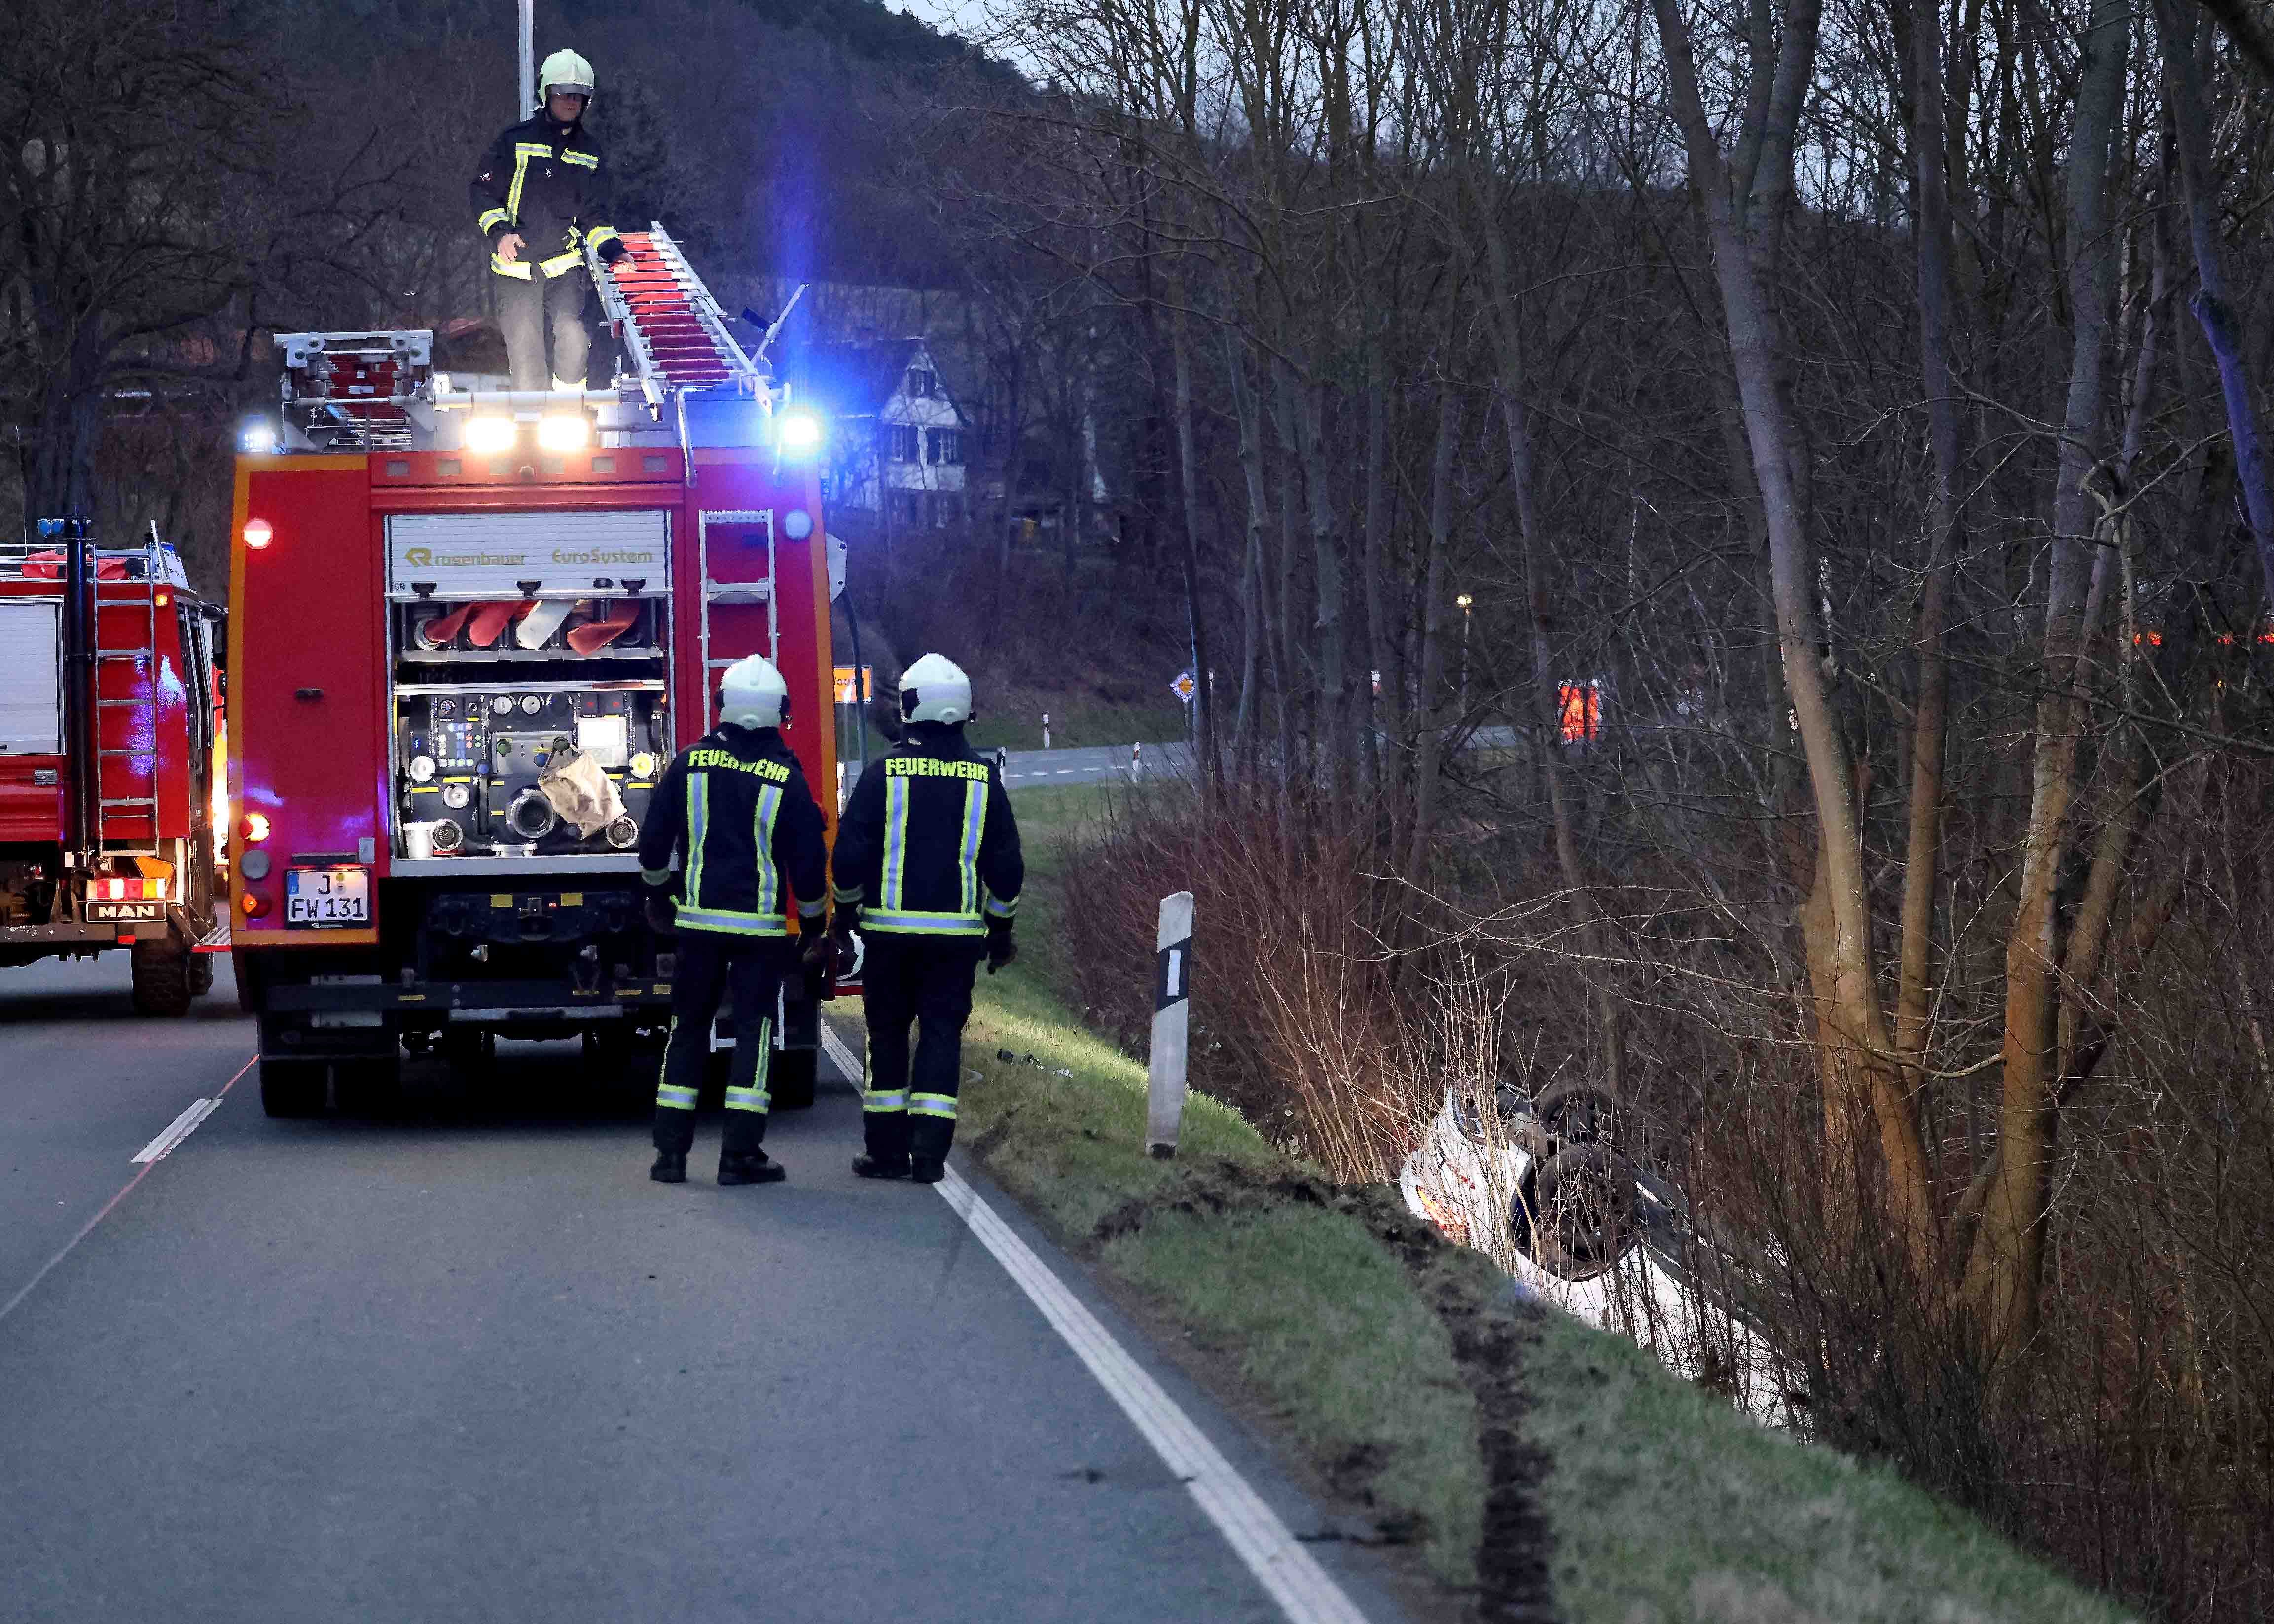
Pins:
x: 1184, y: 688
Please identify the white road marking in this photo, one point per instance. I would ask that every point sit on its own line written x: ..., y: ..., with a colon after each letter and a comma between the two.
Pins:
x: 87, y: 1229
x: 181, y: 1128
x: 1307, y: 1594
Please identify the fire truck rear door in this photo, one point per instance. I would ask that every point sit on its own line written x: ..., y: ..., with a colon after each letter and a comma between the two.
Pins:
x: 31, y: 678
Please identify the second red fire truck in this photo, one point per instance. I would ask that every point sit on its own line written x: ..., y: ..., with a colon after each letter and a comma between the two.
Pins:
x: 470, y: 629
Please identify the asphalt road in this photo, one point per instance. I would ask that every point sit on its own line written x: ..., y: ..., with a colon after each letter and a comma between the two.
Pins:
x: 468, y: 1362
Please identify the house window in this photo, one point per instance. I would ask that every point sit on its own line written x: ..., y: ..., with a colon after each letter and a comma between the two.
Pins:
x: 943, y: 446
x: 902, y: 445
x: 943, y: 509
x: 921, y: 382
x: 908, y: 508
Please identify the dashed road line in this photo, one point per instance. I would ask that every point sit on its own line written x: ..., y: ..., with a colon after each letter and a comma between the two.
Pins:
x: 182, y: 1127
x: 1304, y: 1591
x: 110, y: 1207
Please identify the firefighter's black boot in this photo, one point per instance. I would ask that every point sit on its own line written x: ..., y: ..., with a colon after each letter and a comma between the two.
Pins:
x: 670, y: 1167
x: 752, y: 1168
x: 881, y: 1166
x: 927, y: 1170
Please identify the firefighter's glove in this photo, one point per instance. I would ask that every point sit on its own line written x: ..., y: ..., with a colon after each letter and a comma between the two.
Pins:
x: 840, y: 937
x: 1001, y: 950
x: 661, y: 913
x: 813, y: 947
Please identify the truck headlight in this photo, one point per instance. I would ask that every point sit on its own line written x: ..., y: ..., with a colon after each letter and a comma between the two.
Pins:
x: 564, y: 431
x: 491, y: 434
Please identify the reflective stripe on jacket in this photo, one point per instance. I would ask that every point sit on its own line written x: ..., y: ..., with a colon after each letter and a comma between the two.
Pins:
x: 543, y: 180
x: 928, y: 844
x: 748, y: 832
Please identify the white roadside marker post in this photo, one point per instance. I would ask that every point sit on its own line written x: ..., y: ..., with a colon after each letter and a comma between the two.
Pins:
x: 1135, y: 750
x: 1172, y: 985
x: 1046, y: 730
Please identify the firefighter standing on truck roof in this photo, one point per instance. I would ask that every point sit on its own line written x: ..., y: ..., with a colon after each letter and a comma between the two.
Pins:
x: 749, y: 833
x: 538, y: 200
x: 928, y: 867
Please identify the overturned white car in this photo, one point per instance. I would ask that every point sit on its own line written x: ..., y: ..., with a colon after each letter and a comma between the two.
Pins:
x: 1547, y: 1188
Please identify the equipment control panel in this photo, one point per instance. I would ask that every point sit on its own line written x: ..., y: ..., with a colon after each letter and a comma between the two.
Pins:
x: 471, y: 761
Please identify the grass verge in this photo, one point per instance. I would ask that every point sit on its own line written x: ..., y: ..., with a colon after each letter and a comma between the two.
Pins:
x: 1665, y: 1504
x: 1520, y: 1450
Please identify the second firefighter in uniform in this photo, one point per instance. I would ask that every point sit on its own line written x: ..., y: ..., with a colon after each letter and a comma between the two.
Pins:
x: 928, y: 868
x: 750, y: 835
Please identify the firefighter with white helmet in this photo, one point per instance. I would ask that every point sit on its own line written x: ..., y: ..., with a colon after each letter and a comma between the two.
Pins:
x: 736, y: 807
x: 537, y: 201
x: 928, y: 867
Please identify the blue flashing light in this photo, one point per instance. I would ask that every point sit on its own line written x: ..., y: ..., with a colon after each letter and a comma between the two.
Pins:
x: 798, y: 433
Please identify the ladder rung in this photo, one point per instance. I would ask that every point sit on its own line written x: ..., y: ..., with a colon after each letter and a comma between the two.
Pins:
x: 143, y: 801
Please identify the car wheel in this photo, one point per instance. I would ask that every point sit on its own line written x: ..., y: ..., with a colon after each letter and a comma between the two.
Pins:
x: 1578, y: 1114
x: 1583, y: 1216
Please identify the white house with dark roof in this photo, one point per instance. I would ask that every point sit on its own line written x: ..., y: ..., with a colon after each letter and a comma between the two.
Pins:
x: 896, y: 443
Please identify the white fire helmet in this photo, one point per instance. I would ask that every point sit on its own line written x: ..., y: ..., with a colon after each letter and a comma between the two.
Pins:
x: 935, y: 690
x: 753, y: 694
x: 565, y: 70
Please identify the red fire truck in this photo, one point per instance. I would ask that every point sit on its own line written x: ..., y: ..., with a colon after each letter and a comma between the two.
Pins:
x: 470, y: 629
x: 107, y: 716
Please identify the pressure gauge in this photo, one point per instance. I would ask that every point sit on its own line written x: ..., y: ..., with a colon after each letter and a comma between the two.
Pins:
x: 502, y: 704
x: 422, y: 768
x: 643, y: 764
x: 530, y: 704
x: 456, y: 796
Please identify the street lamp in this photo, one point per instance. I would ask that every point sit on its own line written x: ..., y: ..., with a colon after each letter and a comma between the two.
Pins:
x: 1465, y: 600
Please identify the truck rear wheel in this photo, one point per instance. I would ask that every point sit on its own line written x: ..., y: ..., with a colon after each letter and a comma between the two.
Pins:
x: 162, y: 977
x: 200, y: 975
x: 790, y: 1078
x: 292, y: 1087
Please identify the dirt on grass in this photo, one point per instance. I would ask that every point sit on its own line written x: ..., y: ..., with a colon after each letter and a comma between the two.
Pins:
x: 1490, y: 1333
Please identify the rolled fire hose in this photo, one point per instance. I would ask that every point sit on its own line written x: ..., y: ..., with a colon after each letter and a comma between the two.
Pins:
x: 621, y: 615
x: 489, y: 620
x: 536, y: 628
x: 441, y: 630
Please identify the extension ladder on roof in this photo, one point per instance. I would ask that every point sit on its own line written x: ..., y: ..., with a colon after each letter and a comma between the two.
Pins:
x: 673, y: 333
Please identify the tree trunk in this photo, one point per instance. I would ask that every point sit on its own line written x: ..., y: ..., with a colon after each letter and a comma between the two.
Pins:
x: 1945, y: 523
x: 1430, y: 745
x: 2213, y: 307
x: 1188, y: 482
x: 1861, y: 1083
x: 2005, y: 1268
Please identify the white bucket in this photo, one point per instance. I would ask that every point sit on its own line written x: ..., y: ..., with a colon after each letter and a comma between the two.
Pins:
x: 418, y: 839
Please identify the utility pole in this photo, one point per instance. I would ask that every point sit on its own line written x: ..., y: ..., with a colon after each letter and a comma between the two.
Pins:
x: 527, y: 105
x: 1465, y: 600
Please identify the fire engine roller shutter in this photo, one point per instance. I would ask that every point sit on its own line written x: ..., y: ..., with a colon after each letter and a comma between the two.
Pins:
x: 31, y: 680
x: 487, y: 554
